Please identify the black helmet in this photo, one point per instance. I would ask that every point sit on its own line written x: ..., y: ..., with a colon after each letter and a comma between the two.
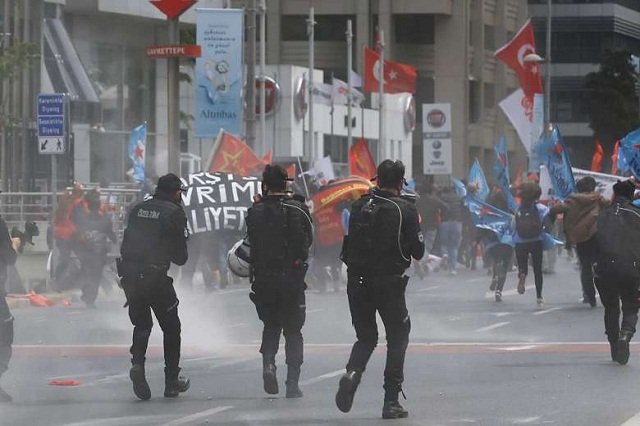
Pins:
x: 169, y: 183
x: 390, y: 174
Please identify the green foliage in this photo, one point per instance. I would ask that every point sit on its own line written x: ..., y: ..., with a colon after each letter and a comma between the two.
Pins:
x: 611, y: 97
x: 13, y: 61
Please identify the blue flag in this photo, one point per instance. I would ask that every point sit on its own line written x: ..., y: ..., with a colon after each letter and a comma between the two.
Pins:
x: 554, y: 156
x: 477, y: 179
x: 501, y: 172
x: 485, y: 214
x: 461, y: 190
x: 629, y: 154
x: 137, y: 151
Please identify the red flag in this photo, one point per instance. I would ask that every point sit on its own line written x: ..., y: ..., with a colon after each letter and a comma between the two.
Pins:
x: 398, y: 78
x: 234, y: 156
x: 513, y: 54
x: 267, y: 158
x: 360, y: 160
x: 596, y: 163
x: 291, y: 171
x: 614, y: 159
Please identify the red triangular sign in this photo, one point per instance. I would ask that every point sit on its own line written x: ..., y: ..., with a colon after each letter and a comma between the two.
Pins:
x: 173, y: 8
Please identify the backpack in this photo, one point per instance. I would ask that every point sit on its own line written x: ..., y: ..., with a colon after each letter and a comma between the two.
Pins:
x: 616, y: 239
x: 361, y: 239
x: 528, y: 223
x: 96, y: 242
x: 268, y: 235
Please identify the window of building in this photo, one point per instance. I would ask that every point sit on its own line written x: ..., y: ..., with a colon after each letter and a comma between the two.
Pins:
x: 489, y: 38
x: 414, y: 29
x: 328, y: 27
x: 425, y: 94
x: 474, y: 101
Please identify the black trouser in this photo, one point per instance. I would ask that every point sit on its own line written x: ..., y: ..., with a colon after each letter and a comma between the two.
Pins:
x: 501, y: 256
x: 6, y: 327
x: 280, y: 303
x: 586, y: 254
x: 612, y: 291
x: 153, y: 293
x: 91, y: 267
x: 384, y: 294
x: 522, y: 256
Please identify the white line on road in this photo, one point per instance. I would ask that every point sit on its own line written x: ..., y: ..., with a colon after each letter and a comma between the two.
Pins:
x: 519, y: 348
x: 198, y: 416
x: 492, y: 326
x: 322, y: 377
x: 546, y: 311
x: 314, y: 311
x: 633, y: 421
x: 428, y: 288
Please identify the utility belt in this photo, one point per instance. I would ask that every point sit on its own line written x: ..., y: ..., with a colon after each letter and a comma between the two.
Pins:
x: 280, y: 271
x: 139, y: 271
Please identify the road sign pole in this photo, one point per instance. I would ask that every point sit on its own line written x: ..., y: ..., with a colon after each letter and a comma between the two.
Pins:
x: 173, y: 102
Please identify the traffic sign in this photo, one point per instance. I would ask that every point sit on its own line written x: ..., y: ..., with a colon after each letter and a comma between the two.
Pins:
x: 51, y: 124
x: 173, y: 8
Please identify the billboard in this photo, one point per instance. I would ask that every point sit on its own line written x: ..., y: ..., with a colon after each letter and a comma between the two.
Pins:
x: 219, y: 72
x: 436, y: 139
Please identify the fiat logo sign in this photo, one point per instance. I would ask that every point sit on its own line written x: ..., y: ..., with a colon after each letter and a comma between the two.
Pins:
x: 272, y: 96
x: 436, y: 118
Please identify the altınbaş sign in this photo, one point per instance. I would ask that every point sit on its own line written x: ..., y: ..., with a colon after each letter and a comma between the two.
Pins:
x: 219, y: 72
x: 436, y: 138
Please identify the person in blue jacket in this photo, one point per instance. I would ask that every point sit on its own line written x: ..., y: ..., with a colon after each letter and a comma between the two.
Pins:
x: 529, y: 224
x: 498, y: 244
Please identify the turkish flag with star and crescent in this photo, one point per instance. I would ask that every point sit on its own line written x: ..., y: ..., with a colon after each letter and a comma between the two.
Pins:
x: 398, y: 78
x: 513, y: 53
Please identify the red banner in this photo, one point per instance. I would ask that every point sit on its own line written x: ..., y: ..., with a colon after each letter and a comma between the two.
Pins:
x: 596, y: 163
x: 234, y: 156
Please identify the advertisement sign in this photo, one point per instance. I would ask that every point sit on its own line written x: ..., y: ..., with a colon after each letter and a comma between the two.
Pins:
x: 436, y: 138
x: 51, y: 124
x: 219, y: 82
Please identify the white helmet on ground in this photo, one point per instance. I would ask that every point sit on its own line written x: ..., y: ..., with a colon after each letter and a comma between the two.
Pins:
x: 238, y: 259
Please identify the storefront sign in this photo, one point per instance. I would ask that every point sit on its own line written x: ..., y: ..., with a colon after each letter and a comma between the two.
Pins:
x: 436, y: 137
x: 173, y: 51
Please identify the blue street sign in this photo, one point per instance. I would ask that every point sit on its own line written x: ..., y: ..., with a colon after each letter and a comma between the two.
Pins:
x: 51, y: 124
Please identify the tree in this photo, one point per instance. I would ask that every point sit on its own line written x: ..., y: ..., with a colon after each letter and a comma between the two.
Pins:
x: 611, y: 98
x: 13, y: 61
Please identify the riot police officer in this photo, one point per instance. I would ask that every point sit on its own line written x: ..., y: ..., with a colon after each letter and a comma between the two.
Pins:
x: 8, y: 257
x: 384, y: 234
x: 279, y: 230
x: 156, y: 236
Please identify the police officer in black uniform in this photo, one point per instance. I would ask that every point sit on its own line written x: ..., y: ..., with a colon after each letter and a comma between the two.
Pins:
x: 156, y: 236
x: 8, y: 257
x: 384, y: 234
x: 279, y: 229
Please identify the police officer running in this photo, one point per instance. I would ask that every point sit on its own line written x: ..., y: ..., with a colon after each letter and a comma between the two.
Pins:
x: 279, y: 230
x: 384, y: 234
x: 156, y: 236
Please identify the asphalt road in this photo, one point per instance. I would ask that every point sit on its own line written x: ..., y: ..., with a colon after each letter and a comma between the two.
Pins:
x: 471, y: 361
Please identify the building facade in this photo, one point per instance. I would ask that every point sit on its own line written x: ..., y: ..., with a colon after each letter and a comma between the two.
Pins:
x: 581, y: 31
x: 450, y: 41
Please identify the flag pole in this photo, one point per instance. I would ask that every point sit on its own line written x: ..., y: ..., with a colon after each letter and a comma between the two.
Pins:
x: 311, y: 33
x: 349, y: 82
x: 263, y: 89
x: 331, y: 113
x: 304, y: 181
x: 381, y: 115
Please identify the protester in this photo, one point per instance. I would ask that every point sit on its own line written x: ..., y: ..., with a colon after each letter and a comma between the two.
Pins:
x: 617, y: 258
x: 530, y: 222
x: 156, y: 236
x: 93, y: 233
x: 580, y: 214
x: 280, y: 232
x: 8, y: 257
x: 384, y: 234
x: 431, y: 208
x: 69, y: 209
x: 498, y: 243
x: 450, y: 230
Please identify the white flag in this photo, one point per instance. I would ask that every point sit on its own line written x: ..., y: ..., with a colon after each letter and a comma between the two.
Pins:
x: 322, y: 93
x: 356, y: 80
x: 340, y: 94
x: 323, y: 171
x: 515, y: 107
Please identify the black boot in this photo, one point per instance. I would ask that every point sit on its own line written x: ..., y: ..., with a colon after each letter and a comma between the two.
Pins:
x: 269, y: 375
x: 613, y: 346
x: 174, y: 384
x: 293, y: 376
x: 347, y: 390
x: 392, y: 408
x: 140, y: 385
x: 622, y: 355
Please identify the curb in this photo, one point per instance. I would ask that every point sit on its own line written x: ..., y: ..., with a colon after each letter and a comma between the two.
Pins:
x: 17, y: 301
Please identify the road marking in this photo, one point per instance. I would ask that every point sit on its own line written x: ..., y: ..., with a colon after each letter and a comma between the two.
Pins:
x: 492, y: 326
x: 633, y: 421
x: 428, y: 289
x: 198, y: 416
x: 314, y: 311
x: 322, y: 377
x: 117, y: 421
x: 501, y: 314
x: 546, y: 311
x: 232, y: 291
x: 518, y: 348
x: 476, y: 280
